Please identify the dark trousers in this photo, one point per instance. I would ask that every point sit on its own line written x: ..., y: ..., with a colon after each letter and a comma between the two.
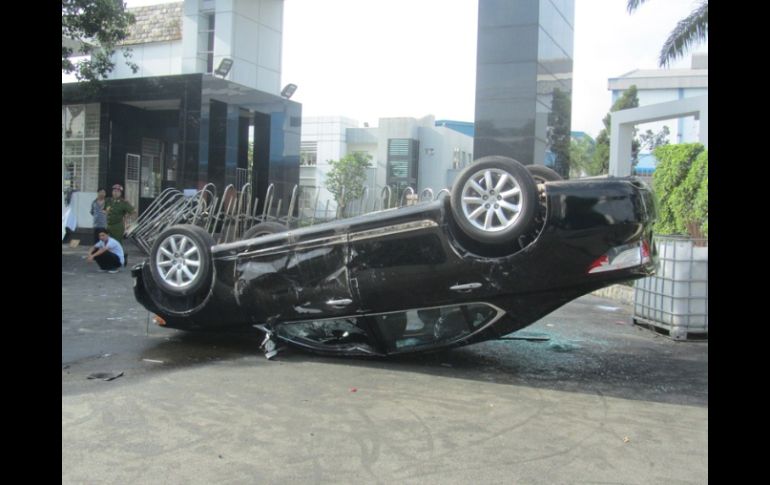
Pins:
x: 108, y: 261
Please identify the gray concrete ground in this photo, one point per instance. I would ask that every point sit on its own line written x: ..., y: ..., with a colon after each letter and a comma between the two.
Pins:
x: 599, y: 401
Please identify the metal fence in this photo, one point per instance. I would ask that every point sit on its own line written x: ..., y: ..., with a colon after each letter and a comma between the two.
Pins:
x: 227, y: 217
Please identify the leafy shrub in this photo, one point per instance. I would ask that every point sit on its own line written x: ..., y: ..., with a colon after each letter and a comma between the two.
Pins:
x: 346, y: 178
x: 680, y: 182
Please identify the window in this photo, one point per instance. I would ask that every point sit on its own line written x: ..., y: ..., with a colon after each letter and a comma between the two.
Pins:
x: 428, y: 327
x: 80, y: 147
x: 308, y: 153
x: 347, y: 334
x: 206, y: 40
x: 402, y: 163
x: 392, y: 332
x: 151, y: 170
x: 456, y: 163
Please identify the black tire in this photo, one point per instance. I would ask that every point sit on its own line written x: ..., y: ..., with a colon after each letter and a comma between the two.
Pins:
x: 543, y: 174
x: 189, y: 266
x: 517, y: 208
x: 263, y: 229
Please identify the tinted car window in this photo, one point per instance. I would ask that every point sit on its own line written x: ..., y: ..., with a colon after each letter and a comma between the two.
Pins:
x: 397, y: 331
x: 344, y: 334
x: 407, y: 330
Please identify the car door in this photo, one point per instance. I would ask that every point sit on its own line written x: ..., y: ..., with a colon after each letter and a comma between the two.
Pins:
x: 295, y: 276
x: 319, y: 262
x: 262, y: 284
x: 396, y: 269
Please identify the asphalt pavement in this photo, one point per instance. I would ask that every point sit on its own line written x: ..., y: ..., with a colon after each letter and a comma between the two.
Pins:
x: 583, y: 397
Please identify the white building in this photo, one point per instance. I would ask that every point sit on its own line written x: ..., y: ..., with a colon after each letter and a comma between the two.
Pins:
x: 179, y: 121
x: 194, y: 36
x: 406, y: 152
x: 656, y: 86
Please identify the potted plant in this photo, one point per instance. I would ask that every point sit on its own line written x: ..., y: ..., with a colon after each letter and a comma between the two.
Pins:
x: 675, y: 300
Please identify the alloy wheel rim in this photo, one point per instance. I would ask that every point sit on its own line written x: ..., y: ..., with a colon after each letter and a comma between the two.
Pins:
x: 491, y: 200
x: 178, y: 261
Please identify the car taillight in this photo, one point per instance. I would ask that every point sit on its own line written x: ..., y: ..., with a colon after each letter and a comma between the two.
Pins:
x: 645, y: 252
x: 600, y: 263
x: 621, y: 257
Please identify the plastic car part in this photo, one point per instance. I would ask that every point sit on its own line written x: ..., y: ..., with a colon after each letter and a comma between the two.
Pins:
x: 268, y: 345
x: 180, y: 260
x: 622, y: 257
x: 494, y: 200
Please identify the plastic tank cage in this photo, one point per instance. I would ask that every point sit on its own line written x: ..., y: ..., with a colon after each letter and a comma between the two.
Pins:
x: 675, y: 300
x: 228, y: 216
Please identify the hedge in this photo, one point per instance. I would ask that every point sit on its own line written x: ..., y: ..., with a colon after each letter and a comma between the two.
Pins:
x: 680, y: 182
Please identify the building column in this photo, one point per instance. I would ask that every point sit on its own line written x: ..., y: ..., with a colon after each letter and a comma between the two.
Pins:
x: 261, y: 165
x: 232, y: 125
x: 623, y: 122
x: 620, y: 148
x: 703, y: 128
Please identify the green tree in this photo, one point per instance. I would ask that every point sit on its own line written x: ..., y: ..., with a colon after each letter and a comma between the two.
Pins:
x: 651, y: 140
x: 690, y: 30
x: 346, y: 178
x: 559, y: 130
x: 250, y: 164
x: 601, y: 161
x: 700, y: 175
x: 680, y: 182
x: 581, y: 153
x: 94, y: 28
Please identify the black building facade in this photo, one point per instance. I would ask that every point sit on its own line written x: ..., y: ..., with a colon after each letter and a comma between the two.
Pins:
x: 181, y: 131
x: 523, y: 71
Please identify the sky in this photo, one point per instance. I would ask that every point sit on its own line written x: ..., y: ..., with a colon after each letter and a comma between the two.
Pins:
x: 370, y: 59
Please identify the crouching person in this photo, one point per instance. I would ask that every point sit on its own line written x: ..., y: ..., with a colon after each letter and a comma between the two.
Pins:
x: 107, y: 252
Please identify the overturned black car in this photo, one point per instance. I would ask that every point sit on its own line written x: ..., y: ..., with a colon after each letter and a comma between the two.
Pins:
x: 507, y: 247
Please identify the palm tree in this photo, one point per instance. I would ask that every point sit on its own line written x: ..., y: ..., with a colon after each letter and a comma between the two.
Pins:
x: 691, y: 29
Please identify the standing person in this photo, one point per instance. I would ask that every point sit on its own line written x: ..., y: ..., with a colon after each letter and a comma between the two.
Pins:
x: 117, y: 209
x: 97, y: 210
x: 108, y: 253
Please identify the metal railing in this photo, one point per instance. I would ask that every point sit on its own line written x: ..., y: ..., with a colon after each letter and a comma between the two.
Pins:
x: 229, y: 217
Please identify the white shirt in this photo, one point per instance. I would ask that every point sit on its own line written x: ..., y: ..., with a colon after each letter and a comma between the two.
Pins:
x: 113, y: 246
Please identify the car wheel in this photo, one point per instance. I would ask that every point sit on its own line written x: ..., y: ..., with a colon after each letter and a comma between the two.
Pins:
x: 543, y: 174
x: 494, y: 200
x: 263, y: 229
x: 181, y: 260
